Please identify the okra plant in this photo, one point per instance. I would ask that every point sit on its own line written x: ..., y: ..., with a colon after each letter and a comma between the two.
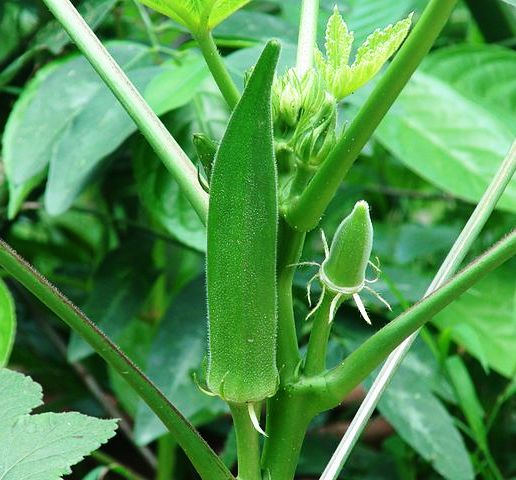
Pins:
x: 261, y: 190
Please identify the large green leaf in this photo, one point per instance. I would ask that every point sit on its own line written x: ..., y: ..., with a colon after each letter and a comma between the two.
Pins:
x: 488, y: 308
x: 7, y: 323
x: 197, y: 15
x: 423, y: 422
x: 485, y: 74
x: 177, y: 351
x: 54, y: 38
x: 255, y: 26
x: 120, y: 287
x: 454, y: 122
x: 44, y: 446
x: 61, y: 105
x: 164, y: 200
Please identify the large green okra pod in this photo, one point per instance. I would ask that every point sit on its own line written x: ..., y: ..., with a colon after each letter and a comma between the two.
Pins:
x: 241, y: 255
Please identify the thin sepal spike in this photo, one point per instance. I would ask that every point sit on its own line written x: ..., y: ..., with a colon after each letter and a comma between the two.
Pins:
x: 361, y: 308
x: 333, y: 306
x: 201, y: 388
x: 254, y: 419
x: 325, y: 244
x: 319, y: 303
x: 304, y: 264
x: 309, y: 288
x: 379, y: 297
x: 377, y: 266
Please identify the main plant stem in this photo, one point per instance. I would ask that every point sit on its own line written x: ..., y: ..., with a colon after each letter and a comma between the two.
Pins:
x: 289, y: 251
x: 288, y: 417
x: 248, y: 445
x: 217, y: 68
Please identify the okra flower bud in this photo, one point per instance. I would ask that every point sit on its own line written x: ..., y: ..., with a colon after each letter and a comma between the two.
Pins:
x: 343, y: 272
x: 315, y: 135
x: 287, y: 100
x: 304, y: 115
x: 350, y: 250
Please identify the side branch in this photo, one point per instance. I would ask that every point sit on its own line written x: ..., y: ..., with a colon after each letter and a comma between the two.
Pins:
x: 358, y: 365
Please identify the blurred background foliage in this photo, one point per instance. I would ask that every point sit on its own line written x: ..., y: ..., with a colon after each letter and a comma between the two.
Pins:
x: 84, y: 198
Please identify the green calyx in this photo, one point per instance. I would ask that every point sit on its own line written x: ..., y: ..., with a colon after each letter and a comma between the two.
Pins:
x: 340, y: 77
x: 206, y: 149
x: 345, y: 266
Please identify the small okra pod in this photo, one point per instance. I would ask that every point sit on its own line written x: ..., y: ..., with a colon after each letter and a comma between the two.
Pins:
x: 241, y: 249
x: 343, y: 272
x: 350, y: 250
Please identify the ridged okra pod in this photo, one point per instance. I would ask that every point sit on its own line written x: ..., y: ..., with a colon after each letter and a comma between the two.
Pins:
x: 343, y: 272
x: 241, y: 252
x: 350, y: 250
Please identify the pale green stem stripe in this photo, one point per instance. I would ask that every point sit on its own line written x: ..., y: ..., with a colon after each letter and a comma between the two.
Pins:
x: 450, y: 265
x: 307, y: 35
x: 205, y: 461
x: 167, y: 149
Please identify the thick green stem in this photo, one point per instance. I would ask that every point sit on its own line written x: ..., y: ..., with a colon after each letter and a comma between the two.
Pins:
x: 248, y: 445
x: 307, y: 35
x: 318, y: 342
x: 287, y: 420
x: 306, y: 212
x: 358, y: 365
x: 205, y: 461
x: 218, y: 69
x: 290, y: 248
x: 167, y: 149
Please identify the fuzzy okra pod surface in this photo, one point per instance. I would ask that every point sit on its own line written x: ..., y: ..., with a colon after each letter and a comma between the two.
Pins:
x: 242, y: 243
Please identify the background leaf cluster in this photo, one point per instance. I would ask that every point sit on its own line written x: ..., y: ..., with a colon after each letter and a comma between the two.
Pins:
x: 85, y: 199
